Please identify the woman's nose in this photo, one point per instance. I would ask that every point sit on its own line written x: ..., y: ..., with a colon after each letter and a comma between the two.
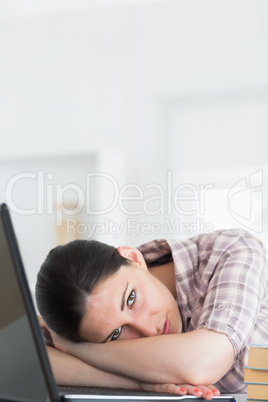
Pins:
x: 144, y: 326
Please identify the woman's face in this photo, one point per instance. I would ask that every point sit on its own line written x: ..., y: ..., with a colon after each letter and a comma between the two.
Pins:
x: 132, y: 303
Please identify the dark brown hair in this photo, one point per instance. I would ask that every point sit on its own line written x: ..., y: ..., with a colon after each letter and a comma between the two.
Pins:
x: 67, y: 277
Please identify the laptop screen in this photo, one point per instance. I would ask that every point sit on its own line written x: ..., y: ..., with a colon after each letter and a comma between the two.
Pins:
x: 21, y: 375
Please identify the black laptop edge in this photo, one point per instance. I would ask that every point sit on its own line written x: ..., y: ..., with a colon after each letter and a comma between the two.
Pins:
x: 29, y: 306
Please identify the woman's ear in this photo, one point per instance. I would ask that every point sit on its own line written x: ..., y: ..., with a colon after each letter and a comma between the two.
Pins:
x: 132, y: 254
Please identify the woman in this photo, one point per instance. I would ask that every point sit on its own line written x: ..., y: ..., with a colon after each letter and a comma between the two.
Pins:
x: 169, y: 316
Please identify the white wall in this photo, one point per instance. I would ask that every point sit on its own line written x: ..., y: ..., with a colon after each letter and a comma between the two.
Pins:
x: 118, y: 75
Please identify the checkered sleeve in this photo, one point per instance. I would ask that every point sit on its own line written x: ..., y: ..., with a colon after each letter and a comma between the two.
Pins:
x: 236, y: 288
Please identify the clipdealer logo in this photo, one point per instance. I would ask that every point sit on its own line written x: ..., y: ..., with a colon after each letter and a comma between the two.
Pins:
x: 245, y: 201
x: 183, y: 207
x: 131, y: 226
x: 130, y: 199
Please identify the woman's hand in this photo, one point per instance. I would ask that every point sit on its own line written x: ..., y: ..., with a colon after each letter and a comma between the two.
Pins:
x: 59, y: 342
x: 201, y: 391
x: 41, y: 321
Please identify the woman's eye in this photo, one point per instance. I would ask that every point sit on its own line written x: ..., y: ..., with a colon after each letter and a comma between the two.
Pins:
x: 130, y: 301
x: 131, y: 298
x: 116, y: 333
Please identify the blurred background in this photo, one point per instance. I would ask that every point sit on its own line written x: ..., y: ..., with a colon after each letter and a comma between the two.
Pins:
x: 130, y: 120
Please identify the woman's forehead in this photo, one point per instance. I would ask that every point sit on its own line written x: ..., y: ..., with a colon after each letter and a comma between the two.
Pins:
x: 106, y: 285
x: 101, y: 312
x: 104, y: 304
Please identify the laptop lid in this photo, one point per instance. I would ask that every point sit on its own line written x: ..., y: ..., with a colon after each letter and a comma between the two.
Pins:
x: 25, y: 373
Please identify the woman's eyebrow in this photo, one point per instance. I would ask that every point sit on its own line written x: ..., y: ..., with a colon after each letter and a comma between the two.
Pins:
x: 123, y: 303
x: 108, y: 337
x: 124, y: 298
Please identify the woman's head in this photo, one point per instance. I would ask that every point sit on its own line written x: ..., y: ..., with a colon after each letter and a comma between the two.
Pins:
x: 87, y: 290
x: 66, y: 279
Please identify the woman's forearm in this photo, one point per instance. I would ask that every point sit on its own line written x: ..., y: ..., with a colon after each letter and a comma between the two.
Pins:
x: 198, y: 357
x: 69, y: 370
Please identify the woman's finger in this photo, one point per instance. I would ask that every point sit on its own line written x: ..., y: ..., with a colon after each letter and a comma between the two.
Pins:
x: 203, y: 391
x: 164, y: 388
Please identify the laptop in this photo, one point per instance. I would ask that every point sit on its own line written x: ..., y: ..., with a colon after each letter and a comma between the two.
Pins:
x: 25, y: 374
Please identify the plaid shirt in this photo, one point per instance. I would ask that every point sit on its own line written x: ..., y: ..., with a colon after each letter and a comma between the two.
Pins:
x: 221, y: 283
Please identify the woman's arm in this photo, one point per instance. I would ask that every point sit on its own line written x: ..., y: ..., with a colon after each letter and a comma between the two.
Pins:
x: 72, y: 371
x: 69, y: 370
x: 198, y: 357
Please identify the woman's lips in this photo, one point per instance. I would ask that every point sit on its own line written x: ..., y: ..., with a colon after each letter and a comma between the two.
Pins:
x: 167, y: 327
